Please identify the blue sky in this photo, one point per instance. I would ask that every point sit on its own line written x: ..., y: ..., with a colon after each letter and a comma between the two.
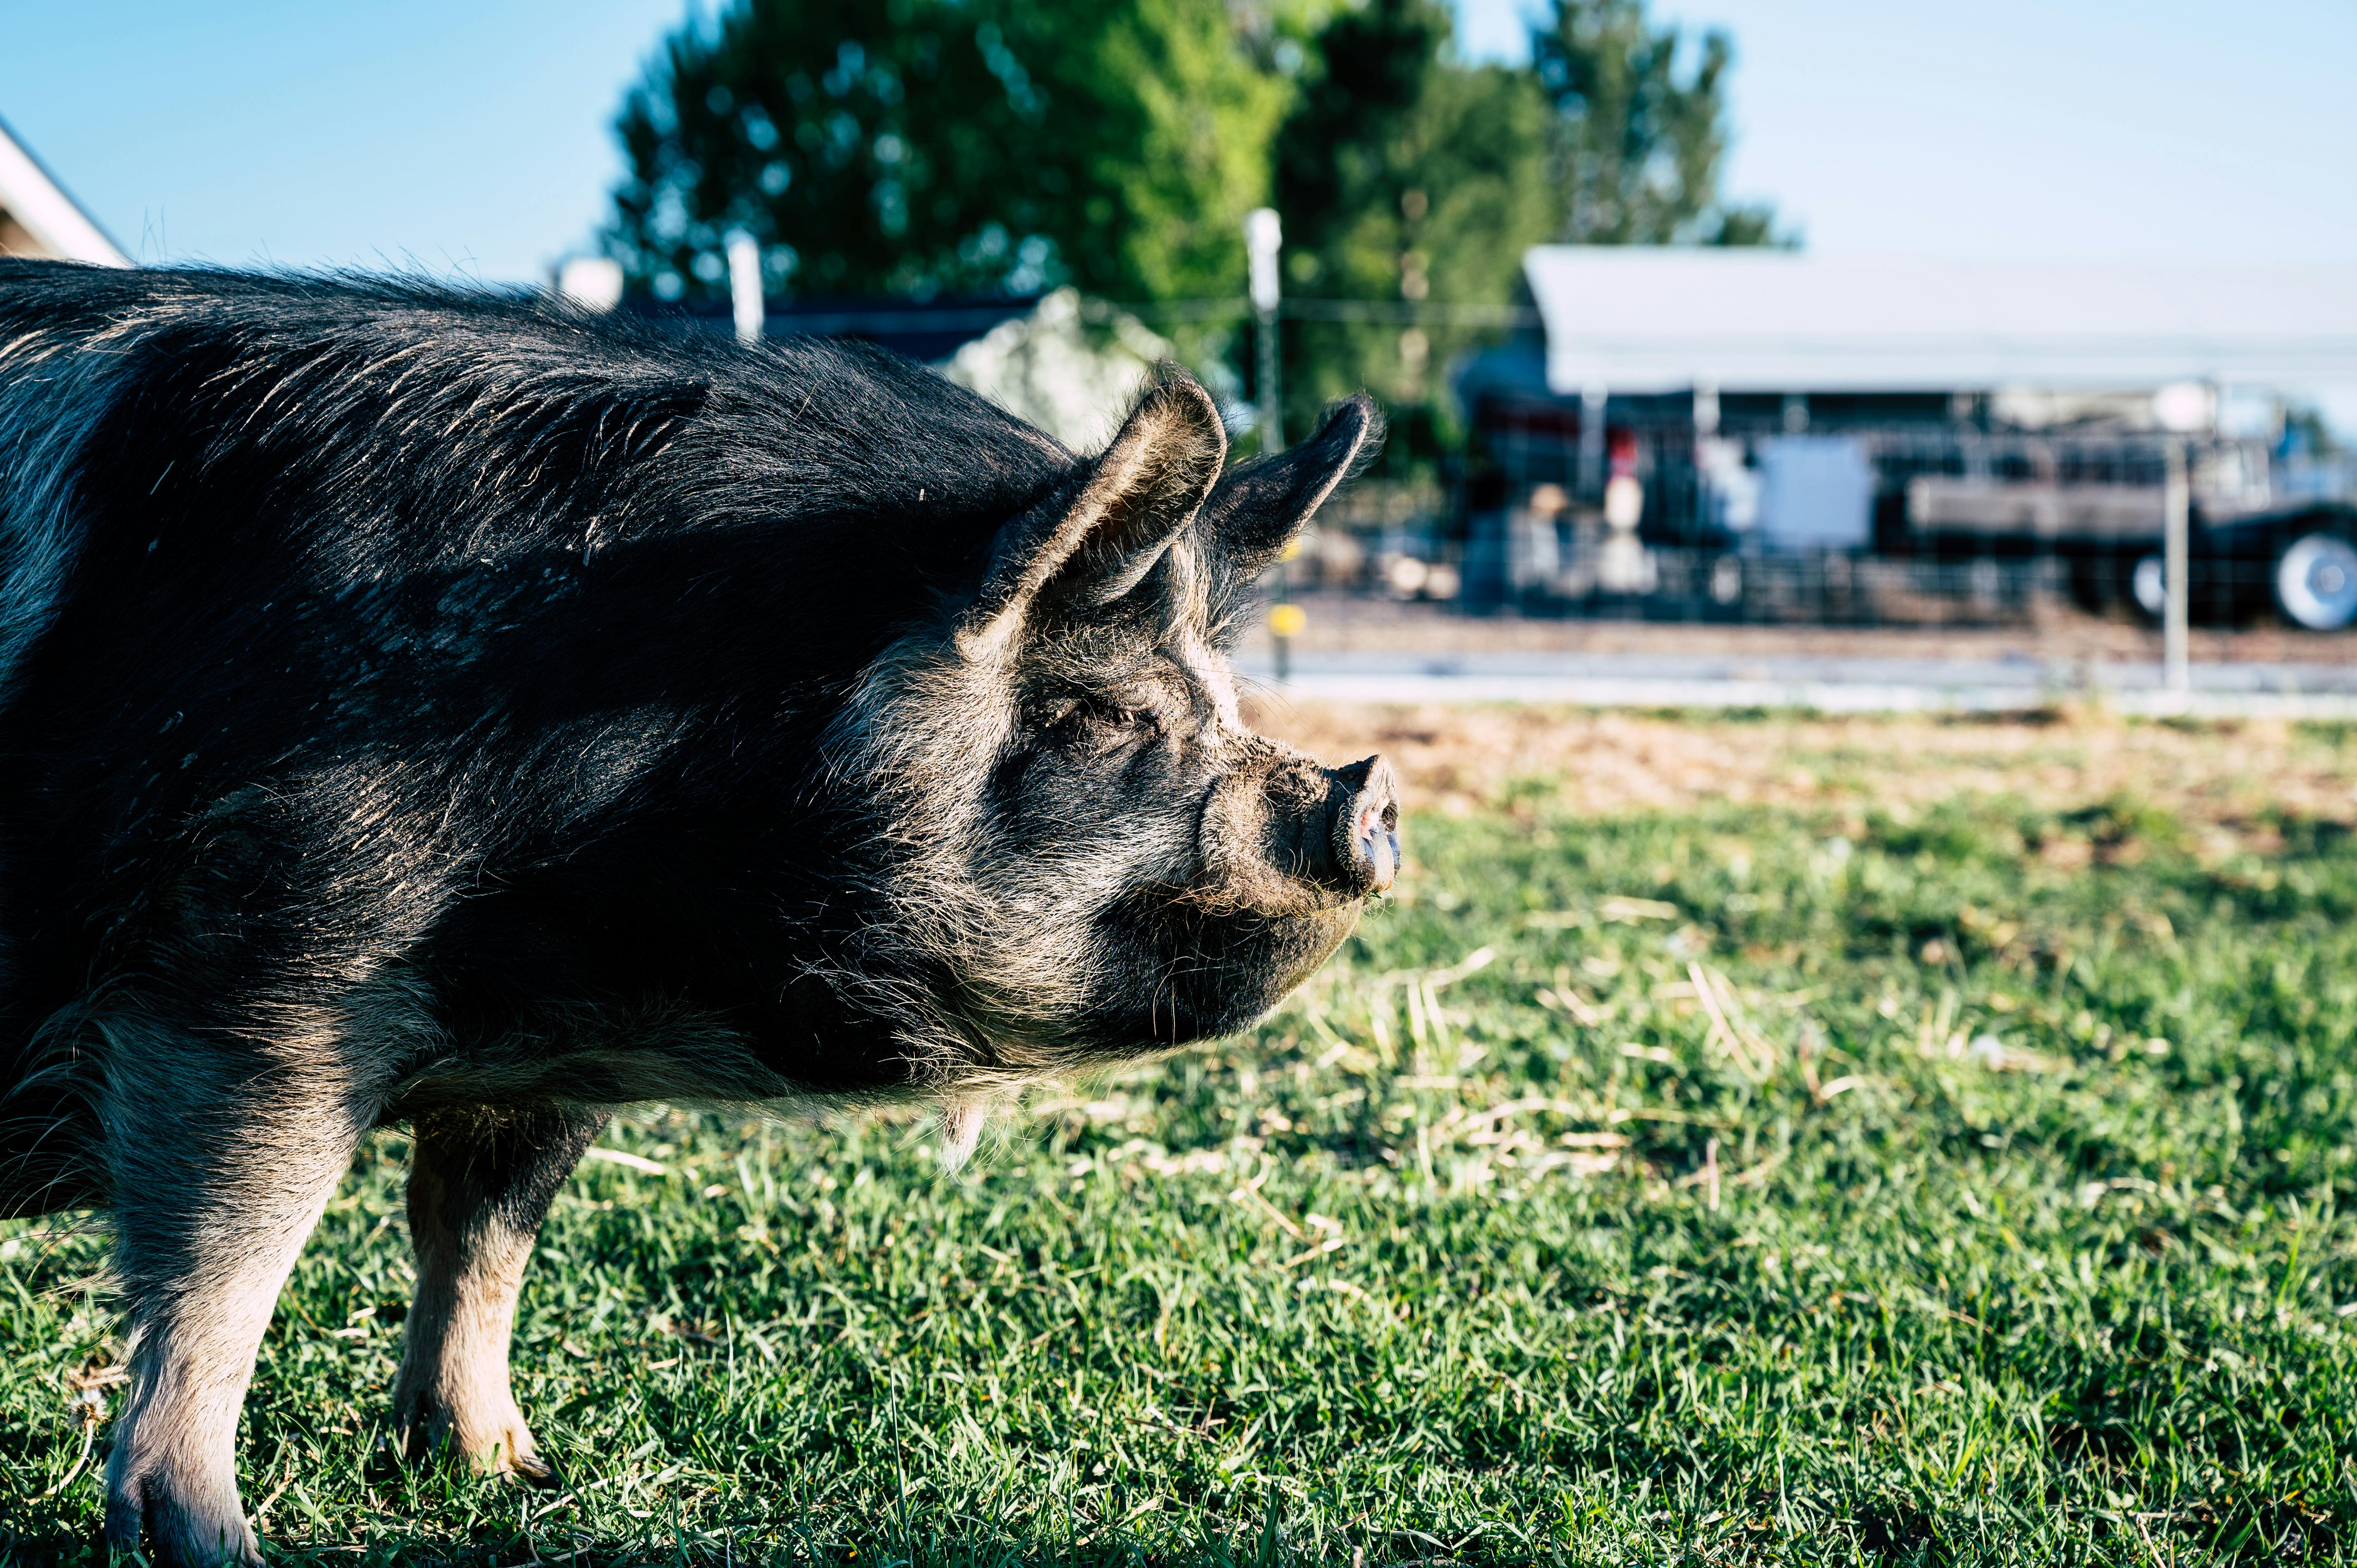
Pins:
x: 465, y: 135
x: 473, y: 136
x: 2036, y: 129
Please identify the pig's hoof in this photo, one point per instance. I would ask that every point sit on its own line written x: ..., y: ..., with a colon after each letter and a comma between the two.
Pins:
x: 487, y: 1443
x: 185, y: 1522
x: 530, y: 1466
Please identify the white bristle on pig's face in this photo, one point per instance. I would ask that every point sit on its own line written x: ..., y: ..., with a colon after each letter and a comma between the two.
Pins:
x: 962, y: 1125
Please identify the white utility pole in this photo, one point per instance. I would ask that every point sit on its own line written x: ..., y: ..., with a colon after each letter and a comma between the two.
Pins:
x: 744, y: 287
x: 2177, y: 564
x: 1264, y: 235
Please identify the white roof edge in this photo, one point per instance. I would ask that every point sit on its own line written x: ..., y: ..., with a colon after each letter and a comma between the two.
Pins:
x: 47, y: 212
x: 1637, y: 319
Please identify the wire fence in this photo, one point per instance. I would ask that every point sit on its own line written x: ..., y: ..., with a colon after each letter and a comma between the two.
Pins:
x: 1898, y: 526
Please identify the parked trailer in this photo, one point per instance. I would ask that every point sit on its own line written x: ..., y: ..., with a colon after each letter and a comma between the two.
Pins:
x: 2251, y: 549
x: 1772, y: 404
x: 1913, y: 503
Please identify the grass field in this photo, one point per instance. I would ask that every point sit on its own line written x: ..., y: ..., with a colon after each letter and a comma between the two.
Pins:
x: 1874, y: 1170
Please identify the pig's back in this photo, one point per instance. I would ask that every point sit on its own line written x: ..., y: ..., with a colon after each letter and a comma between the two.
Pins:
x: 406, y: 427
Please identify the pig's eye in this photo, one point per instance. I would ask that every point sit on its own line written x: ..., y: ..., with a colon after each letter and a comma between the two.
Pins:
x: 1125, y: 716
x: 1107, y: 722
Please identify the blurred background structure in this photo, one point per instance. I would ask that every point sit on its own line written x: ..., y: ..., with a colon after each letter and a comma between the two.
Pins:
x: 2031, y: 311
x: 1764, y: 435
x: 39, y: 218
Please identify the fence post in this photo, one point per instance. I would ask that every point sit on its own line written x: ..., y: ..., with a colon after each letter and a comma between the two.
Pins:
x: 1263, y: 236
x: 1591, y: 441
x: 2177, y: 564
x: 744, y: 300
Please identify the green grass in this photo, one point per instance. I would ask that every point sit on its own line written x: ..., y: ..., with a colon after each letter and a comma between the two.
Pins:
x: 1531, y: 1262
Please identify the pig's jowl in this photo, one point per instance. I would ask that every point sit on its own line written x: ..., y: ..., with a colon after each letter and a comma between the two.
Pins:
x: 435, y: 708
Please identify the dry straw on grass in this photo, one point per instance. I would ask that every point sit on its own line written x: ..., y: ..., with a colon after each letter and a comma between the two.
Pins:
x: 1457, y: 758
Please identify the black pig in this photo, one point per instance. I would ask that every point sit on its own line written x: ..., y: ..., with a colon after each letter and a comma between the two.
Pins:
x: 422, y: 706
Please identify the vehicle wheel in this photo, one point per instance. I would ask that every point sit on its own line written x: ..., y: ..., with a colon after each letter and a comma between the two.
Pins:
x: 2316, y: 581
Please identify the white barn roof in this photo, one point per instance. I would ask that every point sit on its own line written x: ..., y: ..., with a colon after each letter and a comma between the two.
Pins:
x: 1631, y: 318
x: 39, y: 218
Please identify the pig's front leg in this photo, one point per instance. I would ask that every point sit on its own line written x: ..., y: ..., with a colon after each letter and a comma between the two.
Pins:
x: 481, y: 1181
x: 221, y: 1159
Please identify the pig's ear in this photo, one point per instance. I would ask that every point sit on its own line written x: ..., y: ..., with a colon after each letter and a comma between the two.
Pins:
x: 1256, y: 511
x: 1096, y: 538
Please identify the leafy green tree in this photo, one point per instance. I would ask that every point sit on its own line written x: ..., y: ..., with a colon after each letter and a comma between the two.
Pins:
x: 1640, y: 149
x: 921, y: 148
x: 1404, y: 177
x: 926, y: 146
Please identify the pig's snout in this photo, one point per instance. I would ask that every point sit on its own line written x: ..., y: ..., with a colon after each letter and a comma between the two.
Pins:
x: 1300, y: 839
x: 1363, y: 835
